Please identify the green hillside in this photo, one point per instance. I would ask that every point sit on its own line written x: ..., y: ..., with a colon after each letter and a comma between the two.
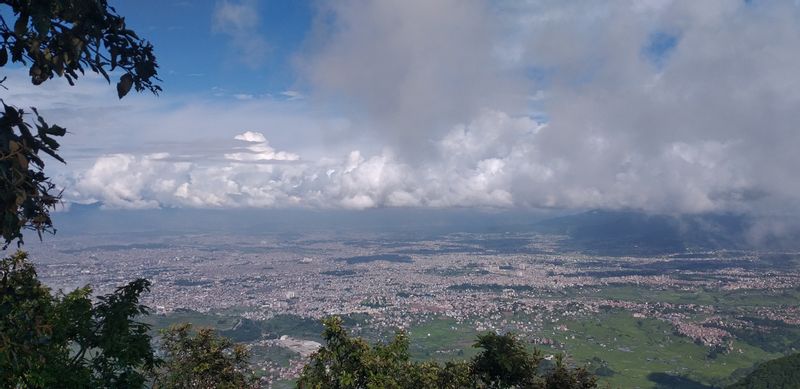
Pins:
x: 781, y: 373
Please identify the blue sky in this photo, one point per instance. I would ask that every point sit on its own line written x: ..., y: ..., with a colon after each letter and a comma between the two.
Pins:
x: 194, y: 58
x: 659, y: 105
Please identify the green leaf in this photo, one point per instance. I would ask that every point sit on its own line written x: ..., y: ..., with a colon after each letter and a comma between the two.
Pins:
x: 50, y: 142
x: 21, y: 25
x: 42, y: 23
x: 56, y: 131
x: 124, y: 85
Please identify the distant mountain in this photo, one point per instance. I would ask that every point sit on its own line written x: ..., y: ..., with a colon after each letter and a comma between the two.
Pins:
x: 598, y: 231
x: 781, y: 373
x: 631, y: 232
x: 93, y: 219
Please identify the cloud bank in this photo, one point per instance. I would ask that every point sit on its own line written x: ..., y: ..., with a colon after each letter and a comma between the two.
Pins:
x: 669, y: 106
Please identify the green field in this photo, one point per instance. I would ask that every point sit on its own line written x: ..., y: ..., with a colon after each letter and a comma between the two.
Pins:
x: 635, y: 348
x: 442, y: 339
x: 625, y: 352
x: 643, y: 353
x: 214, y: 320
x: 637, y: 353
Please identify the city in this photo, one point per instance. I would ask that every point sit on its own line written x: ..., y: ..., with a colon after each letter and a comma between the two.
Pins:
x: 721, y: 302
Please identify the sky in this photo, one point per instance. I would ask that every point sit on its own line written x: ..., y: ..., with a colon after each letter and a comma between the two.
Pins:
x: 657, y: 105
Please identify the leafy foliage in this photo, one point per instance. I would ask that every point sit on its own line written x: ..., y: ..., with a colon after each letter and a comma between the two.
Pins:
x: 66, y: 37
x: 57, y: 38
x: 350, y: 363
x: 504, y: 362
x: 202, y: 360
x: 347, y: 362
x: 66, y: 340
x: 26, y: 194
x: 564, y: 377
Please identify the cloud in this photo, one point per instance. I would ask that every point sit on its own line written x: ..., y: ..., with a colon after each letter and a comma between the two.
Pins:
x: 251, y: 136
x: 259, y: 150
x: 240, y: 22
x: 661, y: 105
x: 127, y: 181
x: 664, y: 106
x: 702, y: 130
x: 408, y: 70
x: 292, y: 95
x: 474, y: 168
x: 353, y: 181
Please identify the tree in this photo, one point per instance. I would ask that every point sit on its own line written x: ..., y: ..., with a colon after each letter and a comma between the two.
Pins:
x: 202, y: 360
x: 347, y: 362
x: 504, y: 362
x: 56, y: 38
x: 564, y: 377
x: 778, y: 373
x: 66, y: 340
x: 351, y: 363
x: 62, y: 340
x: 456, y: 375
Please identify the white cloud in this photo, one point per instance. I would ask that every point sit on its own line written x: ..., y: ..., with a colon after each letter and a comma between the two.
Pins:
x: 292, y: 95
x: 251, y: 136
x: 409, y: 70
x: 432, y: 109
x: 259, y: 150
x: 240, y: 22
x: 127, y: 181
x: 475, y: 175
